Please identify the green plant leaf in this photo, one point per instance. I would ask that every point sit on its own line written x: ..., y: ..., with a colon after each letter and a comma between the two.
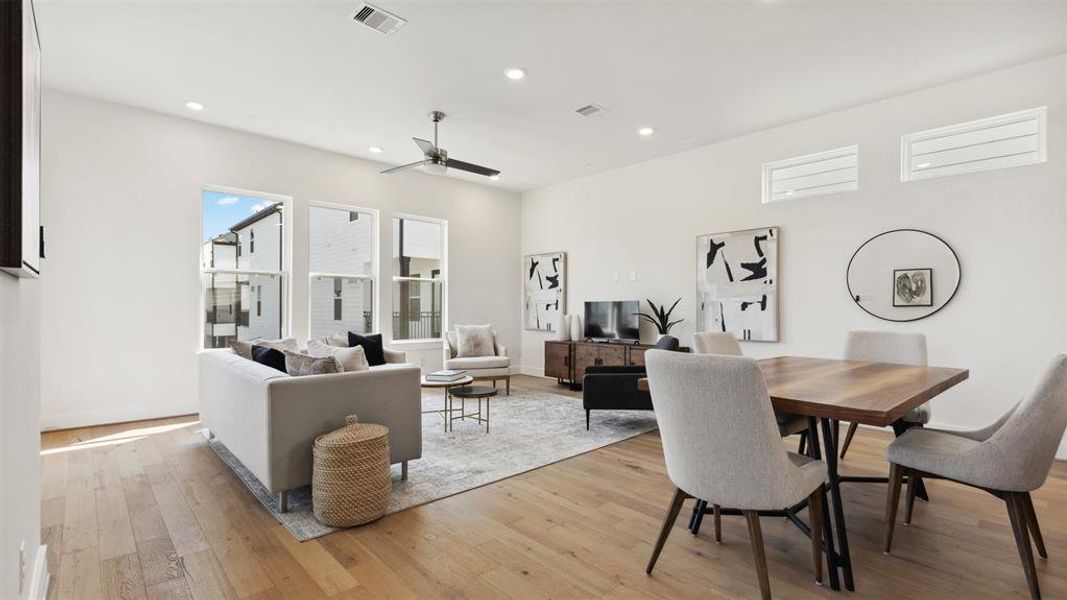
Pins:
x: 667, y: 315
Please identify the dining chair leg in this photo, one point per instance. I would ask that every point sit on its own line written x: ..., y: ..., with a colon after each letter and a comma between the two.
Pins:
x: 852, y: 427
x: 699, y: 518
x: 1035, y: 529
x: 718, y: 522
x: 909, y: 503
x: 1017, y: 515
x: 755, y: 535
x: 815, y: 502
x: 668, y: 523
x: 892, y: 501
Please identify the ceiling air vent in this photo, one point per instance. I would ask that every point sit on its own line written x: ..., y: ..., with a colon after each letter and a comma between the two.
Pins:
x: 811, y: 175
x: 591, y: 110
x: 377, y: 19
x: 1010, y: 140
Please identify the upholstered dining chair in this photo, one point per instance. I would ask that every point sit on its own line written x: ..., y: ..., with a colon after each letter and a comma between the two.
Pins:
x: 721, y: 443
x: 725, y: 343
x: 887, y: 347
x: 1008, y: 459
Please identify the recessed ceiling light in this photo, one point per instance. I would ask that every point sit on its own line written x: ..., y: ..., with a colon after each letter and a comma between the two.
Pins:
x: 494, y: 177
x: 645, y: 131
x: 191, y: 105
x: 514, y: 74
x: 375, y: 150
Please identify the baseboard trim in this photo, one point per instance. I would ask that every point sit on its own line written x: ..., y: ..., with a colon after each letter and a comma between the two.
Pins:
x: 118, y: 414
x: 41, y: 577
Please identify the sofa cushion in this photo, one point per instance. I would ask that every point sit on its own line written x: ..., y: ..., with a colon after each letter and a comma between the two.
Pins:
x: 478, y: 362
x: 474, y: 341
x: 243, y: 349
x: 348, y: 359
x: 372, y: 346
x: 339, y: 341
x: 298, y: 365
x: 272, y: 357
x: 281, y: 345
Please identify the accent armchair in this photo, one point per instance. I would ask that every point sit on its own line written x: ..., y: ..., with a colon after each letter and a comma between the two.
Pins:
x: 492, y: 368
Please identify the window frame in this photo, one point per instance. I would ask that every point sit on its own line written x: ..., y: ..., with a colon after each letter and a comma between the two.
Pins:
x: 373, y: 278
x: 285, y: 268
x: 442, y: 278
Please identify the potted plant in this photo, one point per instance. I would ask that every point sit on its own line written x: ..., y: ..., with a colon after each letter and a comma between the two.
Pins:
x: 661, y: 318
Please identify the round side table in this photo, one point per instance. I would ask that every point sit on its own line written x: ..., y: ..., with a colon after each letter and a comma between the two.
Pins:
x: 479, y: 392
x: 446, y: 412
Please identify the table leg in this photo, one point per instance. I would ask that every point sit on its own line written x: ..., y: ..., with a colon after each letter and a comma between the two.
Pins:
x: 827, y: 530
x: 486, y: 415
x: 445, y: 411
x: 831, y: 452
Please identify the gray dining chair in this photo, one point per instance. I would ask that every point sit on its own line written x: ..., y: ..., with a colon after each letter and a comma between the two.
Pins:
x: 725, y: 343
x: 716, y: 407
x: 887, y: 347
x: 1009, y: 459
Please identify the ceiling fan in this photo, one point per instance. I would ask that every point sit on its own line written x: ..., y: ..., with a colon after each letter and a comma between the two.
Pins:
x: 436, y: 160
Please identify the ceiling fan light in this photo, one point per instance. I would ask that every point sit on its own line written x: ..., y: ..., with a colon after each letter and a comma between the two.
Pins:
x: 435, y: 168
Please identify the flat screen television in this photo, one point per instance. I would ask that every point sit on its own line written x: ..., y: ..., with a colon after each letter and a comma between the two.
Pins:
x: 613, y: 320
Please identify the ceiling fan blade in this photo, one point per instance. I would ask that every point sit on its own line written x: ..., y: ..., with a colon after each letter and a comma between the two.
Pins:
x: 402, y: 167
x: 426, y: 146
x: 471, y: 168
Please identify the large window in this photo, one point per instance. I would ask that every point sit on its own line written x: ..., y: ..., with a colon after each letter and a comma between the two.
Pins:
x: 418, y: 282
x: 341, y: 245
x: 242, y: 281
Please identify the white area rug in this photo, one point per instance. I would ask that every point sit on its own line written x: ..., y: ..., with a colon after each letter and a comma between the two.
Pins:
x: 527, y: 430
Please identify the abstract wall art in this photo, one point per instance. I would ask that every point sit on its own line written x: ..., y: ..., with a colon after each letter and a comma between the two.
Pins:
x: 913, y: 287
x: 737, y: 283
x: 544, y: 290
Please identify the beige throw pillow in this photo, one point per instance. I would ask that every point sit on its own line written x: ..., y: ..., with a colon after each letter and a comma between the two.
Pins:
x: 338, y: 341
x: 474, y: 340
x: 284, y: 344
x: 348, y: 359
x: 297, y: 364
x: 243, y: 349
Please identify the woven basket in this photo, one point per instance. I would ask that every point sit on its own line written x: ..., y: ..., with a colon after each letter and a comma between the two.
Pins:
x: 351, y: 482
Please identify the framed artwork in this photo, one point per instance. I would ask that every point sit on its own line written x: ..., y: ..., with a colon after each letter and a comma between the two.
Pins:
x: 913, y: 287
x: 737, y: 283
x: 544, y: 291
x: 20, y: 121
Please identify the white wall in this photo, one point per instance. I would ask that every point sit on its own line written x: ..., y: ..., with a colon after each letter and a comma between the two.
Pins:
x: 1007, y: 226
x: 121, y: 328
x: 20, y: 491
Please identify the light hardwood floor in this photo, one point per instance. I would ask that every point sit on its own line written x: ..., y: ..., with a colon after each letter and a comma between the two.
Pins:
x: 146, y: 510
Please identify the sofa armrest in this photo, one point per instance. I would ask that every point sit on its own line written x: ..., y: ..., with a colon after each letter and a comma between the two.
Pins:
x: 302, y: 408
x: 395, y: 357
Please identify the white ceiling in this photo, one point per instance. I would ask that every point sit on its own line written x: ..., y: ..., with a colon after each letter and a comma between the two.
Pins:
x: 698, y: 72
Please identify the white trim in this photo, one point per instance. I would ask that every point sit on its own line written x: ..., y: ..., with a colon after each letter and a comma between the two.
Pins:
x: 1030, y: 157
x: 768, y: 195
x: 118, y: 414
x: 39, y: 580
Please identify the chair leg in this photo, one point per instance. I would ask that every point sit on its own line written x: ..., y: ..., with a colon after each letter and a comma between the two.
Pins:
x: 717, y: 514
x: 815, y: 502
x: 283, y: 501
x: 1017, y: 515
x: 668, y: 523
x: 909, y: 504
x: 892, y: 501
x: 507, y: 384
x: 755, y: 535
x: 852, y: 427
x: 1035, y: 529
x: 802, y: 447
x: 699, y: 519
x: 587, y: 420
x: 404, y: 471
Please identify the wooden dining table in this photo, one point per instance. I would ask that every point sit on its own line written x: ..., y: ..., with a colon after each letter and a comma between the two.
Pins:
x: 828, y: 391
